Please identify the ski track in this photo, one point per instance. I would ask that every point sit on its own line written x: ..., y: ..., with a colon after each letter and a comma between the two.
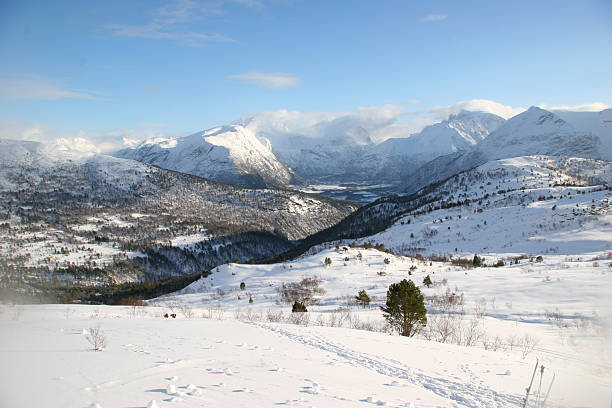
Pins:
x: 473, y: 395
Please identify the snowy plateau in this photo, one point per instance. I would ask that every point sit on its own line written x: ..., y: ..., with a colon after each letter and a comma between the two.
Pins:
x: 504, y: 226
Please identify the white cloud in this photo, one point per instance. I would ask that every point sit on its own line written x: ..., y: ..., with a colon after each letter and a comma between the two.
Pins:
x: 587, y: 107
x: 268, y: 79
x: 172, y: 21
x: 433, y: 17
x: 485, y: 105
x: 157, y: 31
x: 41, y: 88
x: 359, y: 124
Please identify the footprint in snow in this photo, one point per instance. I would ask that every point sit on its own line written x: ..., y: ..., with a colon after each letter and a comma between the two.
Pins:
x: 371, y: 400
x: 174, y: 399
x: 152, y: 404
x: 171, y: 389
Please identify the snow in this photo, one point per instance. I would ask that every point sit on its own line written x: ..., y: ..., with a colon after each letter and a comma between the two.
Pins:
x: 192, y: 362
x: 186, y: 240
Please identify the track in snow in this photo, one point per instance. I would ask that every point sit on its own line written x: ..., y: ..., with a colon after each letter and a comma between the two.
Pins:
x: 473, y: 394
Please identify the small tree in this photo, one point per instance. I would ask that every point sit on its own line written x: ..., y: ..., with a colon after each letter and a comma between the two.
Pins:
x: 328, y: 261
x: 405, y: 308
x: 362, y: 298
x: 427, y: 281
x: 242, y: 285
x: 298, y: 307
x: 477, y: 261
x: 96, y: 338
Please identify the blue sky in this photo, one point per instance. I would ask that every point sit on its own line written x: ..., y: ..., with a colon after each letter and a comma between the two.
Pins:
x: 181, y: 66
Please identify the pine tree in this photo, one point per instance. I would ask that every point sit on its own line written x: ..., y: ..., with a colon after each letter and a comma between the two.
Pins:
x: 362, y: 298
x: 405, y: 308
x: 427, y: 281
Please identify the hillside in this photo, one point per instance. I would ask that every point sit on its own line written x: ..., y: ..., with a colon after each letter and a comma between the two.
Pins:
x: 106, y: 219
x: 520, y: 187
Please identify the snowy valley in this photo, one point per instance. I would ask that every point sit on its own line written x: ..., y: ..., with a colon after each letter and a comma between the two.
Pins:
x: 511, y: 249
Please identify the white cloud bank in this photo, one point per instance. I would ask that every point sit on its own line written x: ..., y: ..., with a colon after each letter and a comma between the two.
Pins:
x: 587, y: 107
x: 41, y: 88
x: 485, y: 105
x: 268, y: 79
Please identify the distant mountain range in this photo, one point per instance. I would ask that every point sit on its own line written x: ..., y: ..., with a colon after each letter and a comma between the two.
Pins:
x: 535, y: 131
x: 243, y: 154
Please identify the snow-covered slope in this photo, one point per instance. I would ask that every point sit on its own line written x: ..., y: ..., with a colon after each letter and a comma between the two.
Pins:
x: 535, y: 131
x: 533, y: 204
x: 514, y: 188
x: 228, y: 154
x: 596, y: 123
x: 59, y: 210
x: 221, y: 350
x: 458, y: 133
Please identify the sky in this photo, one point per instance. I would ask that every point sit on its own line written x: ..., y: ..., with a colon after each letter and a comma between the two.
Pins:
x: 111, y: 70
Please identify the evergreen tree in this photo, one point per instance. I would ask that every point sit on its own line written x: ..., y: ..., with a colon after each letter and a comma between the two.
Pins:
x: 477, y: 261
x: 405, y: 308
x: 362, y: 298
x: 298, y: 307
x: 427, y: 281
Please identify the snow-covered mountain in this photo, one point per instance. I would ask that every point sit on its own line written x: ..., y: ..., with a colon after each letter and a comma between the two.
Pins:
x: 456, y: 134
x: 94, y: 214
x: 227, y: 154
x: 535, y: 131
x: 338, y: 151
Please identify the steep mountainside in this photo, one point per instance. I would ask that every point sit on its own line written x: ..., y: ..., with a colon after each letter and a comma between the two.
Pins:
x: 457, y: 134
x: 347, y: 154
x: 535, y: 131
x: 227, y: 154
x: 93, y: 215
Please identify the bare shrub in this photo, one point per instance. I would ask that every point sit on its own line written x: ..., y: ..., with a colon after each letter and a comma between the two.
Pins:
x: 186, y: 310
x: 300, y: 319
x: 96, y: 337
x: 213, y: 312
x: 527, y: 344
x: 274, y: 317
x: 303, y: 291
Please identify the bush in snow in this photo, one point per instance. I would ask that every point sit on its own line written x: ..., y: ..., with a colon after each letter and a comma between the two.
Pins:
x: 362, y: 298
x: 242, y: 285
x: 95, y: 336
x: 477, y: 261
x: 405, y: 308
x: 298, y: 307
x: 303, y: 291
x: 427, y: 281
